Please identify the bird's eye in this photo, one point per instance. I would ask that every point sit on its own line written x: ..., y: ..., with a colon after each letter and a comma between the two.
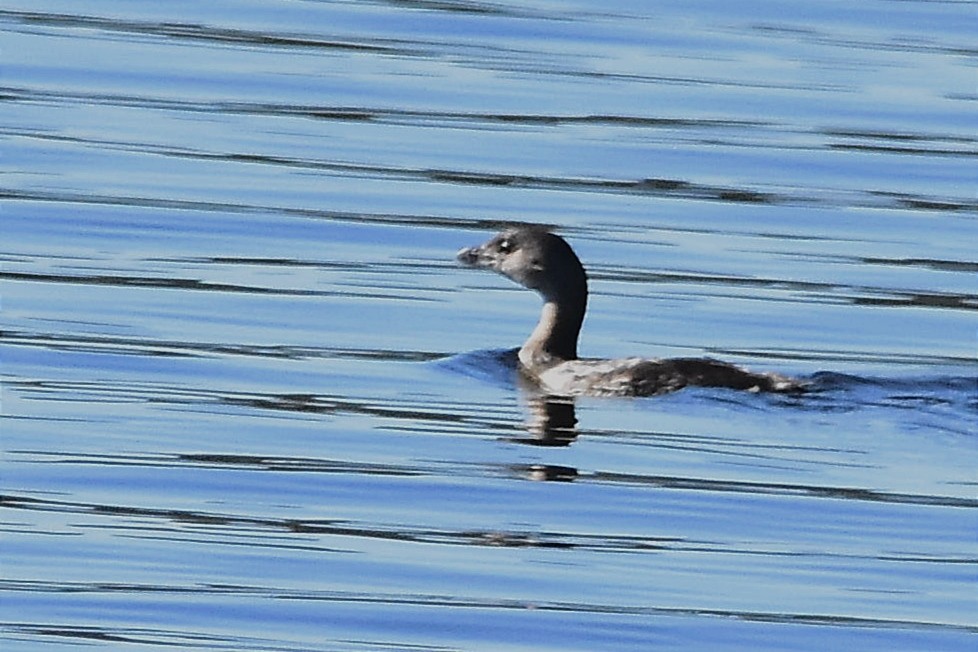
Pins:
x: 505, y: 246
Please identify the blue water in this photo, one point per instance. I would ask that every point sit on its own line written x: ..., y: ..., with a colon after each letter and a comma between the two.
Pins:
x: 250, y: 402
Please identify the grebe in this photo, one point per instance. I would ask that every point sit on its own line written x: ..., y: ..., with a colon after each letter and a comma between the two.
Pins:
x: 542, y: 261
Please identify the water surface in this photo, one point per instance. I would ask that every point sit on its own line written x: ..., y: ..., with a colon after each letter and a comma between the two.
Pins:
x: 250, y: 402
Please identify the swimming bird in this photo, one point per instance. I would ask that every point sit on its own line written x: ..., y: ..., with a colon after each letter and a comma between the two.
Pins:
x: 542, y: 261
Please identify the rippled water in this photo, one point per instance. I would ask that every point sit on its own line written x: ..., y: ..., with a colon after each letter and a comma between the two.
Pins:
x: 250, y: 402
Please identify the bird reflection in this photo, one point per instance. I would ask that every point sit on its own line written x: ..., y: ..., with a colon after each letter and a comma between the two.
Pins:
x: 547, y: 472
x: 552, y: 421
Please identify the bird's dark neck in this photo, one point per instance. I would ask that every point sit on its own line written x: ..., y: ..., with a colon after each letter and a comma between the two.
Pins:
x: 554, y: 339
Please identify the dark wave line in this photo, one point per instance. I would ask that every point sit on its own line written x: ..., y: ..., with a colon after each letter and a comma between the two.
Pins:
x: 430, y: 600
x: 882, y: 142
x: 651, y: 186
x: 860, y: 295
x: 294, y: 403
x: 325, y: 405
x: 164, y: 282
x: 665, y: 188
x: 478, y: 55
x: 247, y: 209
x: 153, y: 282
x: 185, y: 522
x: 212, y: 34
x: 367, y: 114
x: 782, y: 489
x: 74, y: 634
x: 178, y: 348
